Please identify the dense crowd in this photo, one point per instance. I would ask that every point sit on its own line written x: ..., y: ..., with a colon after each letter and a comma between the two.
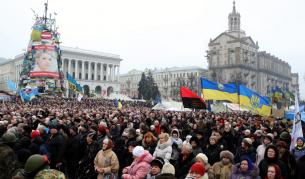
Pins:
x: 64, y: 138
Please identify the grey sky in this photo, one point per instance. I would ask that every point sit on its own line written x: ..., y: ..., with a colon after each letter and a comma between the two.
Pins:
x: 160, y: 33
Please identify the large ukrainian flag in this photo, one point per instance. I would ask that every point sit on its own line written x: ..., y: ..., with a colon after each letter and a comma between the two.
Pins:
x: 217, y: 91
x: 253, y: 101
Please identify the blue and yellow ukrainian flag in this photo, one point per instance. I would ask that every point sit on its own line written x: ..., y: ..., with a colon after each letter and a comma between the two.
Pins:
x: 217, y: 91
x: 73, y: 85
x: 253, y: 101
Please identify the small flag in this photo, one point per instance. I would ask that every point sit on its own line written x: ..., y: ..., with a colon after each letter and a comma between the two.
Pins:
x: 297, y: 126
x: 79, y: 97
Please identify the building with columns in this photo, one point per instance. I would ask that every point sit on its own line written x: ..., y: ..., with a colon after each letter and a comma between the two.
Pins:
x: 168, y: 81
x: 233, y: 57
x: 97, y: 72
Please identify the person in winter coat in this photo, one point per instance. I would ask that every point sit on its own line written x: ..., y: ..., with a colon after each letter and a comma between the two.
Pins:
x: 175, y: 138
x: 149, y: 142
x: 202, y: 158
x: 213, y: 150
x: 140, y: 166
x: 300, y: 172
x: 287, y: 158
x: 73, y: 152
x: 86, y: 165
x: 195, y: 145
x: 197, y: 171
x: 185, y: 161
x: 106, y: 163
x: 56, y: 148
x: 260, y: 151
x: 245, y: 169
x: 271, y: 157
x: 299, y: 150
x: 223, y: 168
x: 274, y: 172
x: 156, y: 168
x: 245, y: 149
x: 164, y: 148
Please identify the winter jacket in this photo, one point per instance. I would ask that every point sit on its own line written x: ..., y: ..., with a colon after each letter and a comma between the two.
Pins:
x: 213, y: 153
x: 164, y: 151
x: 56, y: 147
x: 300, y: 172
x: 140, y: 167
x: 298, y: 152
x: 220, y: 171
x: 108, y: 161
x: 177, y: 140
x: 250, y: 174
x: 250, y: 153
x: 183, y: 166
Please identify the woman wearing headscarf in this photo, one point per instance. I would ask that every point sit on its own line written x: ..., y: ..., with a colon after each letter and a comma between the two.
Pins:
x: 106, y: 163
x: 245, y: 169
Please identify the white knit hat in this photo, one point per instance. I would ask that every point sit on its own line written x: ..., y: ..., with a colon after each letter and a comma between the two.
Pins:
x: 168, y: 168
x: 203, y: 157
x: 138, y: 151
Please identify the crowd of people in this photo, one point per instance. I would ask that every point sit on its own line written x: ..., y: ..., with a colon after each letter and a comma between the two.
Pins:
x: 64, y: 138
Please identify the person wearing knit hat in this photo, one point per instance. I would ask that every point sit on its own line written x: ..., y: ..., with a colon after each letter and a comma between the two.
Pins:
x: 299, y: 149
x: 140, y: 165
x: 156, y: 167
x: 106, y: 162
x: 34, y: 164
x: 34, y: 134
x: 197, y: 171
x: 168, y: 172
x: 223, y: 168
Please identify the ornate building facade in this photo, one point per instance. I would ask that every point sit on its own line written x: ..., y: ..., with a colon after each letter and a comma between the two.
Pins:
x: 97, y: 72
x: 233, y: 57
x: 168, y: 80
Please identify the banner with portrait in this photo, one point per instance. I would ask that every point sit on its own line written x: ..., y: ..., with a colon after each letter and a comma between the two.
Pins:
x: 45, y: 62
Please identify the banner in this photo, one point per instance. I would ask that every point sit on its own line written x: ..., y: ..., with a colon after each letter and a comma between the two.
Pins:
x: 253, y: 101
x: 28, y: 93
x: 297, y: 126
x: 217, y: 91
x: 73, y: 85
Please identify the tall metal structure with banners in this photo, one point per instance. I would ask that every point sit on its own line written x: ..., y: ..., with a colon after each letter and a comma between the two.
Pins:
x: 42, y: 64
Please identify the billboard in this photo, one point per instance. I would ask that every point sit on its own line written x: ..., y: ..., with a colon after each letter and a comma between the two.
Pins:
x: 45, y: 62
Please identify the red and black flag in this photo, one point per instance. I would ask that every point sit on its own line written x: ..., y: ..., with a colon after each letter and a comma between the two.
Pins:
x: 190, y: 99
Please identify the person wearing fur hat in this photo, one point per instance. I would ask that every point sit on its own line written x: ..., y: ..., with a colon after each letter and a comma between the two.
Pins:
x: 223, y: 168
x: 156, y: 167
x: 299, y: 149
x: 106, y: 163
x: 140, y: 165
x: 213, y: 150
x: 164, y: 148
x: 245, y: 169
x: 195, y: 145
x: 149, y: 142
x: 197, y: 171
x: 245, y: 149
x: 271, y: 157
x: 260, y: 151
x: 202, y: 158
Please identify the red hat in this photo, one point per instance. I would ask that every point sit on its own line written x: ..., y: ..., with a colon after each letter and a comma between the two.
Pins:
x: 197, y: 168
x: 102, y: 129
x: 35, y: 133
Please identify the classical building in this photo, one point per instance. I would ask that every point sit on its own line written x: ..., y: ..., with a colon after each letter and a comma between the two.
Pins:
x: 168, y: 80
x: 97, y: 72
x: 233, y: 57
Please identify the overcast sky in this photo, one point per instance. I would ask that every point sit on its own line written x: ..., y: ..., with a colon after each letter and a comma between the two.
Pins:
x: 160, y: 33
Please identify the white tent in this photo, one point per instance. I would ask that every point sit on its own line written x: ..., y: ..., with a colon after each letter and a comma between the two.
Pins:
x: 170, y: 106
x: 119, y: 96
x: 226, y: 107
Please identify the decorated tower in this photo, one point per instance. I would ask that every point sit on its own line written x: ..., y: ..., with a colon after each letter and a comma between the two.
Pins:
x: 42, y: 65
